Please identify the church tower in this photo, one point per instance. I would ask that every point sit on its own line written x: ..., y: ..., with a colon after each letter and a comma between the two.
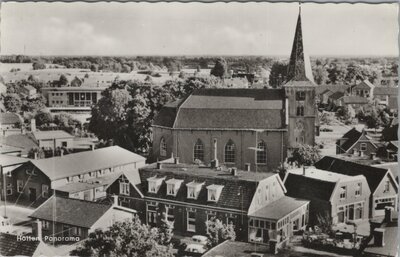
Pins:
x: 300, y: 94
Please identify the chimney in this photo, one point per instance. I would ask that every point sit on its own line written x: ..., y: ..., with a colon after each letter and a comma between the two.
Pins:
x: 176, y: 160
x: 379, y: 237
x: 37, y: 229
x: 33, y: 125
x: 247, y: 166
x: 355, y: 151
x: 115, y: 200
x: 214, y: 162
x: 373, y: 156
x: 234, y: 171
x: 159, y: 165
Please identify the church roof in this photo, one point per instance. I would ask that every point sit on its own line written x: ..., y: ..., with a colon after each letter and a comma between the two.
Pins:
x: 225, y: 108
x: 299, y: 68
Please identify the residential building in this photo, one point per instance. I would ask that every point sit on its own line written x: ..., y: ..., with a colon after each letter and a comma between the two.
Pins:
x: 341, y: 198
x: 66, y: 217
x: 7, y: 164
x: 189, y: 195
x: 382, y: 183
x: 356, y: 142
x: 11, y: 246
x: 29, y: 91
x: 252, y: 129
x: 9, y: 121
x: 363, y: 89
x: 53, y: 139
x: 35, y: 180
x: 388, y: 151
x: 387, y: 96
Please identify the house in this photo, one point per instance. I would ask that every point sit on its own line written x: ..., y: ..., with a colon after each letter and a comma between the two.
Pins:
x: 11, y: 245
x: 29, y: 91
x: 387, y: 96
x: 353, y: 101
x: 53, y: 139
x: 393, y: 167
x: 388, y: 150
x: 74, y: 219
x: 335, y: 97
x: 364, y: 89
x: 340, y: 197
x: 382, y: 183
x: 34, y: 180
x: 356, y: 142
x: 7, y: 164
x: 9, y: 121
x: 191, y: 194
x: 255, y: 128
x: 23, y: 142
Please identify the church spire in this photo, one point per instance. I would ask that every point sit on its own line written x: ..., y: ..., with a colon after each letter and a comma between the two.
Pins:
x: 299, y: 68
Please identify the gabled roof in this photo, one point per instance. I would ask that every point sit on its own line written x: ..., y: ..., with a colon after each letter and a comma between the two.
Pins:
x: 350, y: 138
x: 84, y: 162
x: 11, y: 246
x: 336, y: 95
x: 373, y: 175
x: 70, y: 211
x: 308, y: 188
x: 9, y: 160
x: 51, y: 134
x: 9, y: 118
x: 237, y: 192
x: 225, y: 108
x: 279, y: 208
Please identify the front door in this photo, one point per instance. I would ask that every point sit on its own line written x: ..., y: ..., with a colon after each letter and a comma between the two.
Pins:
x: 32, y: 194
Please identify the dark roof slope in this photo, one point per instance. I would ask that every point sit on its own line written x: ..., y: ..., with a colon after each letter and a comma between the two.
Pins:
x: 308, y: 188
x: 351, y: 137
x: 10, y: 246
x: 225, y: 108
x: 71, y: 211
x: 9, y: 118
x: 373, y: 175
x: 236, y: 188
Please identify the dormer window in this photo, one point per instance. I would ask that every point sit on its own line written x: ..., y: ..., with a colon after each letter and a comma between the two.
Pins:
x: 155, y: 184
x: 193, y: 189
x: 173, y: 186
x: 214, y: 191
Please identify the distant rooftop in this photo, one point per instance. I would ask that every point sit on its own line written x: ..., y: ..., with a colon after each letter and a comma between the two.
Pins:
x: 279, y: 208
x: 323, y: 175
x: 9, y: 160
x: 207, y: 172
x: 51, y: 134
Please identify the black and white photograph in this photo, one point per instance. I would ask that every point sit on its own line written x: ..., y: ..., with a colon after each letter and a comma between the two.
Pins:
x: 188, y: 129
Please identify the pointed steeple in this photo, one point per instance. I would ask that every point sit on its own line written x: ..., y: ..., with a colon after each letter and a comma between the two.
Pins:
x: 299, y: 68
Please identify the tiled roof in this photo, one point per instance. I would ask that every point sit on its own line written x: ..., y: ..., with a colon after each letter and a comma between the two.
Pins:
x: 70, y: 211
x: 373, y: 175
x: 351, y: 137
x: 279, y: 208
x: 51, y: 134
x: 226, y: 108
x: 83, y: 162
x: 352, y: 99
x: 333, y: 88
x: 10, y: 246
x: 386, y: 91
x: 9, y: 160
x: 336, y: 95
x: 9, y: 118
x: 237, y: 192
x: 308, y: 188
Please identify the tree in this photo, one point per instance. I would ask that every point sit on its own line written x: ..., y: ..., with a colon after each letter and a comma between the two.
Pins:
x: 62, y: 81
x: 94, y: 67
x: 218, y: 232
x: 38, y: 65
x: 220, y: 69
x: 278, y: 74
x: 43, y: 118
x: 320, y: 75
x: 76, y: 82
x: 126, y: 238
x: 12, y: 102
x: 325, y: 223
x: 336, y: 73
x: 34, y: 105
x: 372, y: 119
x: 305, y: 155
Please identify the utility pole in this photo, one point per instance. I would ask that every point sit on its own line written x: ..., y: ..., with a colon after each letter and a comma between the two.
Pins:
x: 4, y: 190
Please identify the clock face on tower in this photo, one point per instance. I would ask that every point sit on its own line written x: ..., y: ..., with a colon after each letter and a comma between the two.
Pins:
x: 299, y: 126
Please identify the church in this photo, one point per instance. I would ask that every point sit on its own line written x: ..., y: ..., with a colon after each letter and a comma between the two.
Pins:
x: 250, y: 129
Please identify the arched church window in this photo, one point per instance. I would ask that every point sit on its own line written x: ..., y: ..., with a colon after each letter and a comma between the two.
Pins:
x: 261, y: 152
x: 163, y: 147
x: 198, y: 150
x: 230, y: 152
x: 300, y: 110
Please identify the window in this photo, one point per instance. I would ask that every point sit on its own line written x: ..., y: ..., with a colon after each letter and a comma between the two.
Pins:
x: 124, y: 188
x: 300, y: 96
x: 198, y: 150
x: 163, y: 147
x: 359, y: 211
x: 152, y: 214
x: 191, y: 221
x: 230, y: 152
x: 343, y: 192
x: 64, y: 144
x: 300, y: 110
x: 193, y: 189
x: 340, y: 214
x: 9, y: 189
x: 170, y: 214
x: 214, y: 191
x: 358, y: 189
x: 77, y: 231
x: 171, y: 189
x: 45, y: 191
x: 261, y: 153
x: 387, y: 186
x: 20, y: 186
x: 45, y: 224
x: 154, y: 184
x: 173, y: 186
x: 363, y: 147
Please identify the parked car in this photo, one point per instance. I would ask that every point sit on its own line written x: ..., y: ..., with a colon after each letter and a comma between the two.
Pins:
x: 194, y: 250
x: 200, y: 239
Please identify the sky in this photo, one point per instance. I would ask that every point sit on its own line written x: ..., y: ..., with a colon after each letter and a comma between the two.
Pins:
x: 197, y: 29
